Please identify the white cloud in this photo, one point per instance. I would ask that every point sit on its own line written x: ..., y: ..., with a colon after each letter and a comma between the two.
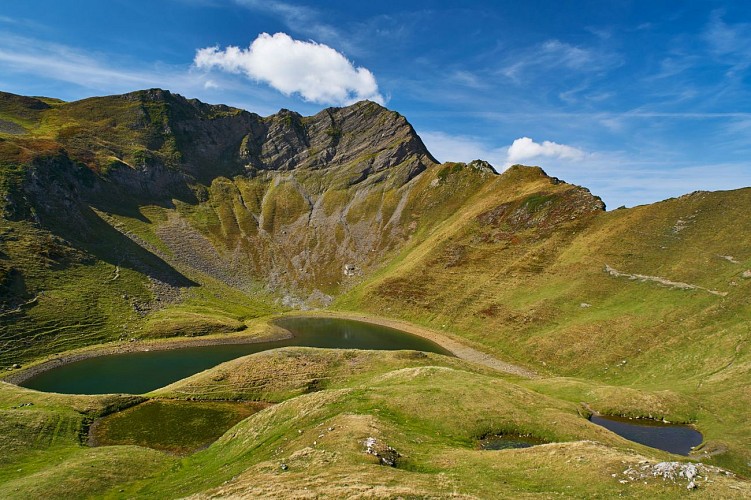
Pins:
x: 524, y: 148
x: 315, y: 71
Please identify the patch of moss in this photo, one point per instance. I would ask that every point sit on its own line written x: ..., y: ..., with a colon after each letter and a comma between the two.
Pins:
x: 180, y: 427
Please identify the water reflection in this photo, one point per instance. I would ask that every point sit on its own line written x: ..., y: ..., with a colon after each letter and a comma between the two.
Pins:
x: 678, y: 439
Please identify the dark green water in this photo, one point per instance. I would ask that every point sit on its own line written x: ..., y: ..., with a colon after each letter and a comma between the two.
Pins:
x: 678, y: 439
x: 508, y: 442
x: 139, y: 372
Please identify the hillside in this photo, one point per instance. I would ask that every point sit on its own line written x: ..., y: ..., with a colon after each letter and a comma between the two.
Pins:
x: 148, y: 215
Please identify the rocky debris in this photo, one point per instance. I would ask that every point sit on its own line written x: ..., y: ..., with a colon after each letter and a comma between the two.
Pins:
x: 662, y: 281
x: 15, y: 366
x: 8, y: 127
x: 22, y: 405
x: 543, y: 211
x: 679, y: 226
x: 672, y: 471
x: 585, y: 305
x: 193, y: 248
x: 284, y: 467
x: 349, y: 269
x: 746, y: 274
x: 319, y: 299
x: 386, y: 454
x: 483, y: 166
x: 729, y: 258
x: 293, y: 302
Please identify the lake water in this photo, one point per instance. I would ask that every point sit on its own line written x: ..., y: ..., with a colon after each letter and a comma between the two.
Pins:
x: 508, y: 441
x: 140, y: 372
x: 678, y: 439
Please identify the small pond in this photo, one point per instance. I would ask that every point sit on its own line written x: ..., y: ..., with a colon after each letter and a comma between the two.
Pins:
x: 678, y: 439
x: 140, y: 372
x: 508, y: 442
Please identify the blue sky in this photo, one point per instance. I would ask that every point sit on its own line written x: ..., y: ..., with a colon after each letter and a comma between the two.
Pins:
x: 636, y: 100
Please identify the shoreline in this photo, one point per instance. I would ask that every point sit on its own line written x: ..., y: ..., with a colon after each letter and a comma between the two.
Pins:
x: 274, y: 333
x: 124, y: 347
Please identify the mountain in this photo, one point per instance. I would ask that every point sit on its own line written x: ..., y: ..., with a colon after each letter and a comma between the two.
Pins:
x: 150, y: 182
x: 150, y: 215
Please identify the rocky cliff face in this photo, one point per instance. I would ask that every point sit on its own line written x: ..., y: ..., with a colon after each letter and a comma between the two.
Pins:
x: 284, y: 202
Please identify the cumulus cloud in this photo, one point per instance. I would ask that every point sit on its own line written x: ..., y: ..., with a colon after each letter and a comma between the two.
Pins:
x: 313, y: 70
x: 524, y: 148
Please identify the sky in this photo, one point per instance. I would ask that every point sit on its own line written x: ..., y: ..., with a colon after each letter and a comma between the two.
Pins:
x: 638, y: 101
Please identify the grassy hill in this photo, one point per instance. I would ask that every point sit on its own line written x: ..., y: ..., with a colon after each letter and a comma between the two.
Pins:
x: 149, y: 215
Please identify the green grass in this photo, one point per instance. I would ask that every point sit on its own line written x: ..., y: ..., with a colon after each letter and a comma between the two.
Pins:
x: 511, y: 264
x: 431, y: 409
x: 432, y: 416
x: 519, y: 293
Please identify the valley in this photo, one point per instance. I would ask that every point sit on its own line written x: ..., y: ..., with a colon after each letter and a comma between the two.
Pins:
x: 147, y: 220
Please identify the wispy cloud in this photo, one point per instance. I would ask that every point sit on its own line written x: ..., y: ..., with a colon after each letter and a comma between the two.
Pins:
x: 552, y: 54
x: 315, y: 71
x: 21, y: 22
x: 300, y: 19
x: 86, y: 72
x: 358, y: 37
x: 469, y: 79
x: 65, y: 63
x: 729, y: 43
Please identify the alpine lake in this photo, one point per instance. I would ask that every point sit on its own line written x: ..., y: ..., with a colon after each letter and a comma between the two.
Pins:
x: 144, y: 371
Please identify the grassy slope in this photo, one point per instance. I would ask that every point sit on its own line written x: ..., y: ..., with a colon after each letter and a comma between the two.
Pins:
x: 431, y: 409
x: 41, y: 451
x: 506, y: 267
x: 431, y: 414
x: 521, y: 296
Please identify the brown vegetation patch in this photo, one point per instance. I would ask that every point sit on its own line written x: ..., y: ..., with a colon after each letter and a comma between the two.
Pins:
x: 405, y: 290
